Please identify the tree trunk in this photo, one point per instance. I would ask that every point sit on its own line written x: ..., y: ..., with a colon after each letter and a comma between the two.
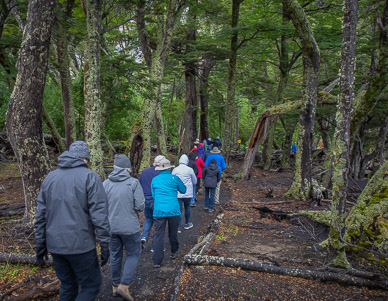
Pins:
x: 53, y: 130
x: 383, y: 138
x: 190, y: 114
x: 92, y: 90
x: 279, y: 270
x: 301, y: 185
x: 342, y: 135
x: 230, y: 105
x: 63, y: 57
x: 151, y: 109
x: 24, y: 116
x: 207, y: 64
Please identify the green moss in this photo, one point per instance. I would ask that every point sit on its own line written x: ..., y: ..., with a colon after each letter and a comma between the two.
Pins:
x: 322, y: 216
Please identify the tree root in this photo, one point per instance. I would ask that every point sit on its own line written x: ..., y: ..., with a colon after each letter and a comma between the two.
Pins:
x: 343, y: 279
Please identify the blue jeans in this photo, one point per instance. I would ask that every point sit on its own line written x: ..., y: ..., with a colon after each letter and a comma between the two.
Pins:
x: 149, y: 221
x: 78, y: 270
x: 132, y: 252
x: 209, y: 197
x: 194, y: 191
x: 186, y: 203
x: 158, y: 241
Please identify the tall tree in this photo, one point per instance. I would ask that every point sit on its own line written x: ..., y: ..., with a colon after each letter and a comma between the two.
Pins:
x: 301, y: 185
x: 190, y: 115
x: 342, y: 134
x: 92, y: 90
x: 24, y: 117
x: 156, y: 61
x: 62, y: 39
x: 230, y: 105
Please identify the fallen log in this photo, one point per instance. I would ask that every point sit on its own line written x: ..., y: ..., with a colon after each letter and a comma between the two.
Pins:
x: 21, y: 258
x: 11, y: 209
x: 47, y: 290
x: 286, y: 271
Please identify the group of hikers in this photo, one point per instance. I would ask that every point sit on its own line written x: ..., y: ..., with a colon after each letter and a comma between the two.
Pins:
x: 75, y: 208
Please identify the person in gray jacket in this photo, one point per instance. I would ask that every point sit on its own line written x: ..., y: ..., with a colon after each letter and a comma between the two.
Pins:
x: 72, y: 211
x: 126, y: 200
x: 211, y: 177
x: 188, y: 177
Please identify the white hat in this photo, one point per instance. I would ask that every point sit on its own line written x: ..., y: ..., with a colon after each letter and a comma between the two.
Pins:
x: 215, y: 150
x: 196, y: 141
x: 158, y: 159
x: 164, y: 164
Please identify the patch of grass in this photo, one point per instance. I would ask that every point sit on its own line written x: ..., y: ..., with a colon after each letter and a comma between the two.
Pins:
x: 11, y: 272
x: 9, y: 170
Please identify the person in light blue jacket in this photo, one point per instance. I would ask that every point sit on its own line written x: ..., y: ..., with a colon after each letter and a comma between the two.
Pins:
x: 125, y: 200
x: 164, y: 188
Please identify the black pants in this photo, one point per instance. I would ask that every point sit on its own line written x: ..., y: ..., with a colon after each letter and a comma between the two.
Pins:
x: 78, y: 270
x: 158, y: 239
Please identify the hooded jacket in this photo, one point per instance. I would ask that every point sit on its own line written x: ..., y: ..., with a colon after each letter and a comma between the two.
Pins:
x: 220, y: 161
x: 201, y: 151
x: 125, y: 199
x: 187, y: 175
x: 192, y: 163
x: 164, y: 189
x: 211, y: 176
x: 72, y: 208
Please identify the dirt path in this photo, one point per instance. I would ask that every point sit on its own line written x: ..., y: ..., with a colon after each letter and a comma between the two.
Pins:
x: 157, y: 284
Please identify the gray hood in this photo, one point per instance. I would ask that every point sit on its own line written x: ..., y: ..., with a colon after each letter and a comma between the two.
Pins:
x: 67, y: 160
x: 118, y: 174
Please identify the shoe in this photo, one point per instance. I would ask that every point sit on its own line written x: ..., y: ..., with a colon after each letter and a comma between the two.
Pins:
x: 179, y: 231
x: 188, y: 226
x: 205, y: 208
x: 173, y: 255
x: 211, y: 210
x: 193, y: 205
x: 156, y: 266
x: 143, y: 242
x: 123, y: 291
x: 152, y: 250
x: 216, y: 202
x: 114, y: 291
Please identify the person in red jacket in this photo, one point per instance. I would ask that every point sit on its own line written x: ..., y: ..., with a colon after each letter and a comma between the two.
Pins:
x: 200, y: 164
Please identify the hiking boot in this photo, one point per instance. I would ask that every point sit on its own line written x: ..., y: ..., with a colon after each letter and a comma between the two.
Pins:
x: 188, y: 226
x: 205, y: 208
x: 179, y: 231
x: 123, y: 291
x: 211, y: 210
x: 193, y: 205
x: 157, y: 266
x: 143, y: 242
x: 173, y: 255
x: 114, y: 290
x: 216, y: 202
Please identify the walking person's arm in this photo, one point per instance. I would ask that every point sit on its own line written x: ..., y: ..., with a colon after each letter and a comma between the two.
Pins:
x: 138, y: 196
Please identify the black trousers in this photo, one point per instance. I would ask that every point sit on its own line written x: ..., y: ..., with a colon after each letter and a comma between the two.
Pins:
x: 79, y: 270
x: 159, y: 233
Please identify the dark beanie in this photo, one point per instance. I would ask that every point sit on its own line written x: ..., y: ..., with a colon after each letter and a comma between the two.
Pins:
x: 80, y: 149
x: 122, y: 161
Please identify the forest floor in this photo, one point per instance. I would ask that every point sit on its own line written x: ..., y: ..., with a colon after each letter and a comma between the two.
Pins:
x: 255, y: 225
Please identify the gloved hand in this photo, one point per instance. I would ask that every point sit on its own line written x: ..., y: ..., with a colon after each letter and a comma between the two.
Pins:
x: 41, y: 253
x: 105, y: 253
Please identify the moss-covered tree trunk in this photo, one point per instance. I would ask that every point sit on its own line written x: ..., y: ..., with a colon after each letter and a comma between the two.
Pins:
x: 301, y: 185
x: 62, y: 38
x: 342, y: 134
x: 152, y: 109
x: 190, y: 114
x: 92, y: 91
x: 230, y: 105
x: 24, y: 116
x: 206, y: 65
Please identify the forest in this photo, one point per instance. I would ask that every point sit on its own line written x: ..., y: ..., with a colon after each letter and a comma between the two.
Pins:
x: 149, y: 77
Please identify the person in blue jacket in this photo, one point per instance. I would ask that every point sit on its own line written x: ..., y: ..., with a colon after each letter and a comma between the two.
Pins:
x: 165, y: 188
x: 294, y: 148
x: 215, y: 153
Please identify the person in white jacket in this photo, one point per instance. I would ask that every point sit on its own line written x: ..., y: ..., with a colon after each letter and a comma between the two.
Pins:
x: 188, y: 177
